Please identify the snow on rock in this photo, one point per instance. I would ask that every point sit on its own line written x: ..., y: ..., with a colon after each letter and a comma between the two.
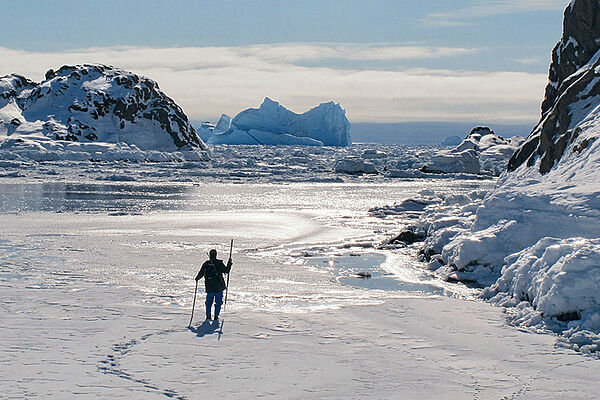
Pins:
x: 576, y: 48
x: 351, y: 165
x: 535, y: 239
x: 494, y: 159
x: 482, y: 151
x: 92, y: 108
x: 273, y: 124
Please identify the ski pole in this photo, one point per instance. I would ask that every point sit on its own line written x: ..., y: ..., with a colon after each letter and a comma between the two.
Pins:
x: 193, y: 304
x: 227, y: 286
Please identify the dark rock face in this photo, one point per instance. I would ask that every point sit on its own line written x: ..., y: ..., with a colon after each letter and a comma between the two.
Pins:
x: 12, y: 85
x: 480, y: 131
x: 88, y: 103
x: 581, y: 29
x: 408, y: 236
x: 574, y: 82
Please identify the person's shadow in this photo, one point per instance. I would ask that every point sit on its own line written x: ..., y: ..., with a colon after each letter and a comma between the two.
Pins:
x: 207, y: 328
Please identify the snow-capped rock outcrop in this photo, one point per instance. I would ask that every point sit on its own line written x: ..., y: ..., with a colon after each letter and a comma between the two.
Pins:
x: 572, y: 92
x: 538, y: 231
x: 92, y: 104
x: 273, y: 124
x: 578, y: 45
x: 481, y: 151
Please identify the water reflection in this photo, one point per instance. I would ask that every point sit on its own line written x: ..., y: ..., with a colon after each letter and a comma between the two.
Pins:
x: 91, y: 197
x: 348, y: 269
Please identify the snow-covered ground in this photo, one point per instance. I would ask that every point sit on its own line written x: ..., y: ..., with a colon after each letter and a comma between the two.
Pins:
x: 97, y: 285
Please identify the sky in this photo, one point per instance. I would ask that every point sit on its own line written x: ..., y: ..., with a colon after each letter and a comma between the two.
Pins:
x: 382, y: 60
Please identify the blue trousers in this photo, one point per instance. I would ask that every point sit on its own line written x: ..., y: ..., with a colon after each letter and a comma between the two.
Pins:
x: 217, y: 297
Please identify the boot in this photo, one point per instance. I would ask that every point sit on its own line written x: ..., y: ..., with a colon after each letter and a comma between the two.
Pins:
x: 208, y: 317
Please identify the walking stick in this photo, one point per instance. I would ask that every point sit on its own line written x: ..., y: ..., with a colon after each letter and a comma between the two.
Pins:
x: 227, y: 286
x: 193, y: 305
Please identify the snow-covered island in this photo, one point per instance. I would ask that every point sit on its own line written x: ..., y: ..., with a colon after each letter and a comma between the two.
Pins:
x: 534, y: 241
x: 273, y: 124
x: 89, y: 111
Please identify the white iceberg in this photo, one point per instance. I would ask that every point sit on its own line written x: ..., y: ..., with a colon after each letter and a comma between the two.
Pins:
x: 273, y: 124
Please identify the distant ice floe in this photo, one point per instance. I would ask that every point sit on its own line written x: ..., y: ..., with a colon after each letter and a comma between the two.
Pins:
x: 253, y: 163
x: 354, y: 166
x: 40, y: 149
x: 452, y: 141
x: 273, y: 124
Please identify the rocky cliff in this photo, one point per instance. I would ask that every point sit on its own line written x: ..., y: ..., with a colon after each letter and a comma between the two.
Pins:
x: 573, y: 87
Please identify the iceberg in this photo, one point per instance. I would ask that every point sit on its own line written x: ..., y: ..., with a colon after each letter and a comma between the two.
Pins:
x: 273, y: 124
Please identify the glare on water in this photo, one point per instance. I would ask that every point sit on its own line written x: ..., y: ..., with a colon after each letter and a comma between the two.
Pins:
x: 299, y: 243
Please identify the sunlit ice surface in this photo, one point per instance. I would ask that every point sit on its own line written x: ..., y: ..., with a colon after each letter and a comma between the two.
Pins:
x: 298, y: 243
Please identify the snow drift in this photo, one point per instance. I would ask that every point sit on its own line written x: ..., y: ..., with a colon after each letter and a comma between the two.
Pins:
x: 91, y: 109
x: 273, y: 124
x: 535, y: 238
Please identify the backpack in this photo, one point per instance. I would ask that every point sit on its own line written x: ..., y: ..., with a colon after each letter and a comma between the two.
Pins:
x: 211, y: 275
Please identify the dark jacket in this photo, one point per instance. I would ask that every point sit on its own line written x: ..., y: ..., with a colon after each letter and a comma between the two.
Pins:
x: 212, y: 271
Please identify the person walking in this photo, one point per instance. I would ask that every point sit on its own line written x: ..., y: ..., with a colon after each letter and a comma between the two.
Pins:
x: 212, y: 270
